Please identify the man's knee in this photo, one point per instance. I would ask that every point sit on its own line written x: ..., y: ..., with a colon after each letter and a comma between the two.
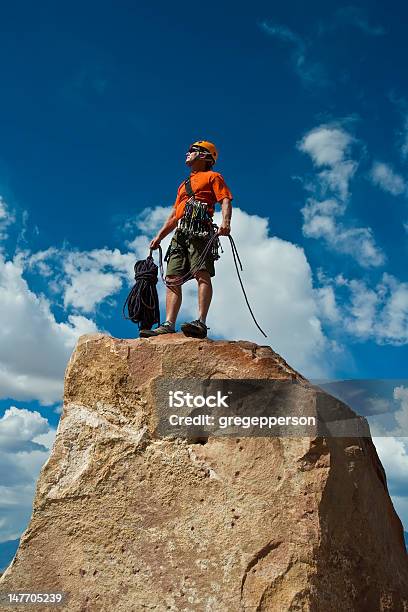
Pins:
x: 203, y: 277
x: 173, y: 288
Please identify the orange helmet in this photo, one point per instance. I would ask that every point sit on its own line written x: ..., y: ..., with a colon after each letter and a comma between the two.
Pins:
x: 209, y: 146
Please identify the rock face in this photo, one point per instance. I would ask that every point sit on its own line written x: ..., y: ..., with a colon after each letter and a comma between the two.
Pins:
x: 124, y: 520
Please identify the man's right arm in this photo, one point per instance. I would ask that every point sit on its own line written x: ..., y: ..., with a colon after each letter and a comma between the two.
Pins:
x: 169, y: 225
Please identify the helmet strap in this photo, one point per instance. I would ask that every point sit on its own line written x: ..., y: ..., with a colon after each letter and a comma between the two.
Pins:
x: 207, y: 157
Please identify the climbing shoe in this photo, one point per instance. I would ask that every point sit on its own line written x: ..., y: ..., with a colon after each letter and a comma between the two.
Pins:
x: 195, y: 329
x: 164, y: 328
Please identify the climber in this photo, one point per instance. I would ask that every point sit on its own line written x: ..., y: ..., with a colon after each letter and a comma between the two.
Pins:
x: 192, y: 214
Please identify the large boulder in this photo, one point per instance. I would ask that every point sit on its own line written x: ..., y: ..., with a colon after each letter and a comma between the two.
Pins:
x: 127, y: 520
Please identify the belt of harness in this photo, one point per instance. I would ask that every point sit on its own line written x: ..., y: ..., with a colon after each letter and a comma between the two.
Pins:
x: 197, y: 222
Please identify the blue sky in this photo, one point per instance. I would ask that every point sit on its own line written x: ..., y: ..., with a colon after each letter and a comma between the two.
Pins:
x: 309, y: 109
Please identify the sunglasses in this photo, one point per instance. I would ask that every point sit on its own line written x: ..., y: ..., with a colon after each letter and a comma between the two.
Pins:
x: 196, y: 150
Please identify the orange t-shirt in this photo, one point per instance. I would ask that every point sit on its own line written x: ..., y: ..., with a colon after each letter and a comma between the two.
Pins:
x: 208, y: 186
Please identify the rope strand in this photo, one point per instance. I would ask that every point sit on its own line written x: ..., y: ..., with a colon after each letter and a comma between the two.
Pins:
x: 180, y: 280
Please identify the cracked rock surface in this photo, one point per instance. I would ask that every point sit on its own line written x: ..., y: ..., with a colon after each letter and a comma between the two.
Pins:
x: 124, y: 520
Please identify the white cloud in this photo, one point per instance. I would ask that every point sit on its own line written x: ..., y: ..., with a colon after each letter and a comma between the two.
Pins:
x: 3, y: 211
x: 34, y: 347
x: 319, y: 218
x: 359, y: 242
x: 18, y: 427
x: 392, y: 448
x: 39, y: 261
x: 320, y: 221
x: 355, y: 16
x: 149, y: 220
x: 6, y: 218
x: 401, y: 105
x: 86, y: 289
x: 337, y: 179
x: 362, y: 310
x: 394, y: 321
x: 383, y: 176
x: 377, y: 313
x: 401, y: 507
x: 401, y: 415
x: 329, y: 145
x: 310, y: 73
x: 404, y: 139
x: 328, y: 307
x: 283, y: 33
x: 86, y: 278
x: 25, y: 441
x: 393, y: 453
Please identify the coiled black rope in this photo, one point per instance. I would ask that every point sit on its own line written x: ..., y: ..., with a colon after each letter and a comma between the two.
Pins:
x: 142, y: 302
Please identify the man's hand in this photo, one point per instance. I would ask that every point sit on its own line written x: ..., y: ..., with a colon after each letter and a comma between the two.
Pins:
x: 155, y: 243
x: 224, y: 229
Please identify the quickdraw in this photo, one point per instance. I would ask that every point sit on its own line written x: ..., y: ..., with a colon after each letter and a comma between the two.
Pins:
x: 196, y: 220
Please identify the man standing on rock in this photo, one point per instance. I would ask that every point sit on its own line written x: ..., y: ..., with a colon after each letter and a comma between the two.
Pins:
x: 192, y: 214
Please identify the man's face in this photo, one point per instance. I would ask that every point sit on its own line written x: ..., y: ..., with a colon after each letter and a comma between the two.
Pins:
x: 192, y: 154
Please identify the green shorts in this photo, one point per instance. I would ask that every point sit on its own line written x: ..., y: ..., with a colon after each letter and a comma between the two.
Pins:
x: 184, y: 253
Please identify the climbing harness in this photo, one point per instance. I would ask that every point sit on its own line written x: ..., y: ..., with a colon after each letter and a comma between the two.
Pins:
x: 196, y: 219
x: 213, y: 252
x: 196, y: 222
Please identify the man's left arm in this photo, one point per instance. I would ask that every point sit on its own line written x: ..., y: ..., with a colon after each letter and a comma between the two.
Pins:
x: 225, y: 227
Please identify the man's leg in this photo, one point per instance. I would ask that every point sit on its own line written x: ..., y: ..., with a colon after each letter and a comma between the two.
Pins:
x: 198, y: 328
x: 173, y: 301
x: 205, y: 293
